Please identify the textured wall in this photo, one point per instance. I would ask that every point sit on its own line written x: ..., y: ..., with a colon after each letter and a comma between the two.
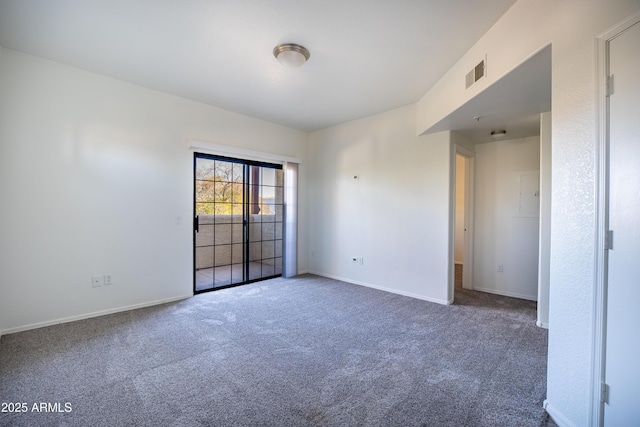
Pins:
x: 576, y: 24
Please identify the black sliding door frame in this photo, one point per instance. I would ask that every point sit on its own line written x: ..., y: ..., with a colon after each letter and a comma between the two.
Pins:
x: 260, y: 216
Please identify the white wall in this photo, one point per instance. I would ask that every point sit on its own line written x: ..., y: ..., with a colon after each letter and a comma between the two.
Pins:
x: 573, y: 230
x: 94, y: 174
x: 64, y: 133
x: 504, y: 235
x: 572, y: 27
x: 395, y: 216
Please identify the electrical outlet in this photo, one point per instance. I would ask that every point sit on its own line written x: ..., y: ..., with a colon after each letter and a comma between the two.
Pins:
x: 360, y: 260
x: 500, y: 268
x: 96, y: 281
x: 107, y: 279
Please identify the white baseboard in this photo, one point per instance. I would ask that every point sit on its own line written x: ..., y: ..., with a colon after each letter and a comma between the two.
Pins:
x: 383, y: 288
x: 90, y: 315
x: 557, y: 416
x: 507, y: 294
x: 542, y: 324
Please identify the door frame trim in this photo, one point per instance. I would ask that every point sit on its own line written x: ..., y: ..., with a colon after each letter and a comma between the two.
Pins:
x: 596, y: 415
x: 237, y: 152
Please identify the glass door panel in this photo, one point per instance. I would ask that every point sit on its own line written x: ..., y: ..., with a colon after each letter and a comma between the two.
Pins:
x: 265, y: 225
x: 219, y: 234
x: 238, y: 225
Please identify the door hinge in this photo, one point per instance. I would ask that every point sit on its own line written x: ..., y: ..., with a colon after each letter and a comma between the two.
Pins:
x: 608, y: 240
x: 610, y: 85
x: 604, y: 393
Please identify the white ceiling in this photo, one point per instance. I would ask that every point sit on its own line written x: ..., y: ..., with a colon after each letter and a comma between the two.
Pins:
x: 367, y: 56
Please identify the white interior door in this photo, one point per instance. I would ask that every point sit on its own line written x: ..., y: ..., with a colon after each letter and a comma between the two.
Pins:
x: 622, y: 370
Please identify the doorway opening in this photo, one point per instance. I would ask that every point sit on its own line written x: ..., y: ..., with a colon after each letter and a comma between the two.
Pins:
x: 463, y: 220
x: 238, y: 221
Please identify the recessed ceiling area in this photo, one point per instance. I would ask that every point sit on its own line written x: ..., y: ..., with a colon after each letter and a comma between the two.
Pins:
x: 513, y: 103
x: 367, y: 56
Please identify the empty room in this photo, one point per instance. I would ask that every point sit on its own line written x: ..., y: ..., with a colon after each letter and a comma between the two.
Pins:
x: 319, y: 213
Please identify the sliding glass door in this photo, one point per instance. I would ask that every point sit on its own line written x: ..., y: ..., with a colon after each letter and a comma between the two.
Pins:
x: 238, y: 222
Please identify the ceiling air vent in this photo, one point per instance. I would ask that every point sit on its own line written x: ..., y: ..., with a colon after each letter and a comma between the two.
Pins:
x: 475, y: 74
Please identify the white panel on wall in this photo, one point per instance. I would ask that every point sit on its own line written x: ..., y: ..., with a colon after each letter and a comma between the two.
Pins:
x: 528, y: 194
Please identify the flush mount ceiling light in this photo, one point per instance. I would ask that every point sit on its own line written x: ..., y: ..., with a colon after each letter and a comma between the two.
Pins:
x: 497, y: 134
x: 291, y: 55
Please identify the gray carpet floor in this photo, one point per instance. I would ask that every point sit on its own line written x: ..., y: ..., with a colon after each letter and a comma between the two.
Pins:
x: 302, y: 351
